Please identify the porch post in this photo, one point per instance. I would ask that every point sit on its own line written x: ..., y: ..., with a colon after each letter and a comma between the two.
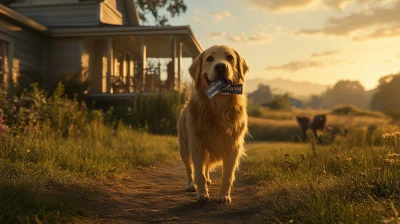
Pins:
x: 143, y: 63
x: 110, y: 56
x: 173, y: 56
x: 180, y: 66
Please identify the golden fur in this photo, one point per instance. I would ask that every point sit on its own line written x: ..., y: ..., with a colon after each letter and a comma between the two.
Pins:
x: 212, y: 131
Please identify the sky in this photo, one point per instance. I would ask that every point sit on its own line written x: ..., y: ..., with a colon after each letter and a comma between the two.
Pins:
x: 320, y: 41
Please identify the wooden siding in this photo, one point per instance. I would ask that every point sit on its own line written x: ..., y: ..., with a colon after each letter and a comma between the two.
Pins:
x: 25, y: 49
x: 92, y: 62
x: 122, y: 9
x: 110, y: 14
x: 63, y: 15
x: 65, y: 57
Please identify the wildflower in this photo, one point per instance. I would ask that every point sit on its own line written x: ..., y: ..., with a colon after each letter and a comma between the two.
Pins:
x: 378, y: 168
x: 388, y: 161
x: 394, y: 155
x: 387, y: 135
x: 396, y: 134
x: 3, y: 127
x: 348, y: 159
x: 28, y: 151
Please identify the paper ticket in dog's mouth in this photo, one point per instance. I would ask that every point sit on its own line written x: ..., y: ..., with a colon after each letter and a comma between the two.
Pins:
x: 223, y: 86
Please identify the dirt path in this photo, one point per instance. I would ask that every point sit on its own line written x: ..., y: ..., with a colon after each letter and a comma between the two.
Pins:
x: 156, y: 195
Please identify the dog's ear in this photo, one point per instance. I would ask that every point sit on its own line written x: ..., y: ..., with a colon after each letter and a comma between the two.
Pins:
x: 195, y: 68
x: 242, y: 66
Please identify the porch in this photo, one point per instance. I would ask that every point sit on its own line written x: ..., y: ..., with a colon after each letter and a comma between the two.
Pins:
x: 123, y: 61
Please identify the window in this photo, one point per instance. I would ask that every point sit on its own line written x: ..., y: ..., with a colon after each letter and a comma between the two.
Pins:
x: 3, y: 61
x: 123, y: 67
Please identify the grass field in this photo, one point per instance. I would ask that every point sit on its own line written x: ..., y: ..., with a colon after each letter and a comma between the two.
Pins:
x: 50, y: 179
x: 343, y: 183
x: 282, y: 126
x: 58, y: 160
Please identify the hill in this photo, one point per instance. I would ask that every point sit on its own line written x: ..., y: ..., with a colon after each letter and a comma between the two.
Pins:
x: 299, y: 89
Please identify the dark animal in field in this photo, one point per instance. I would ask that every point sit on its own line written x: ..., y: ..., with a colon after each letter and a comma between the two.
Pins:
x: 305, y: 123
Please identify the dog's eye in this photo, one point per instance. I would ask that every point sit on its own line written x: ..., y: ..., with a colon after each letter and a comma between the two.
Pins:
x: 229, y: 58
x: 209, y: 59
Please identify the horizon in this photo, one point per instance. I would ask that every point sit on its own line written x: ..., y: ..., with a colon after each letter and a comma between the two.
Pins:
x: 299, y: 41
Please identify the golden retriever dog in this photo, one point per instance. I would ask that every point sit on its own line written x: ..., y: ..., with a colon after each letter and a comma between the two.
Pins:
x: 212, y: 131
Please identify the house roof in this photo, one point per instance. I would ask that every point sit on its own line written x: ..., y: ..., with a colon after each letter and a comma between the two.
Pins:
x: 132, y: 12
x: 154, y: 35
x: 157, y: 37
x: 10, y: 14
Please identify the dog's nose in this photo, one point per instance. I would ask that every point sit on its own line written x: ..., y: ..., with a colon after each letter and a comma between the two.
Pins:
x: 220, y: 67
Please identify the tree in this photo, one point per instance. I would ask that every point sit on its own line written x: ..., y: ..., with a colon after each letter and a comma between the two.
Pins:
x: 386, y: 98
x: 280, y: 102
x: 316, y: 101
x: 153, y: 7
x: 346, y: 92
x: 261, y: 95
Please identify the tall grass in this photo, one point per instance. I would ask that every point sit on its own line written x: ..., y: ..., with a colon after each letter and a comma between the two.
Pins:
x: 55, y: 154
x: 157, y: 113
x: 343, y: 183
x: 363, y: 128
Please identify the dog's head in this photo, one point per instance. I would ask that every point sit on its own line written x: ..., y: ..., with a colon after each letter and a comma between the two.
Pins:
x: 218, y: 61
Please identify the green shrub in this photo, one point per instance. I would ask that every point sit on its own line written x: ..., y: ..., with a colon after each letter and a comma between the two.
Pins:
x: 157, y: 113
x: 280, y: 102
x: 254, y: 110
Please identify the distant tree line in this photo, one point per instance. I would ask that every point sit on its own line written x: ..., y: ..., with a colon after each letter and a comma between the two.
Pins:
x: 384, y: 98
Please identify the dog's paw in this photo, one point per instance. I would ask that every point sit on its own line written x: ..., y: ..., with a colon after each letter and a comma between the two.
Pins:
x: 201, y: 199
x: 209, y: 182
x: 225, y: 200
x: 191, y: 188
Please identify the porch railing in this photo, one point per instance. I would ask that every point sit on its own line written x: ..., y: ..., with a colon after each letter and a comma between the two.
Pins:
x: 153, y: 82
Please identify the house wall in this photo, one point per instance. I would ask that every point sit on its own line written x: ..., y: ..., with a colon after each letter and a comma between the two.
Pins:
x: 26, y: 50
x: 73, y: 12
x: 120, y: 5
x: 67, y: 14
x: 94, y: 50
x: 109, y: 13
x: 65, y: 57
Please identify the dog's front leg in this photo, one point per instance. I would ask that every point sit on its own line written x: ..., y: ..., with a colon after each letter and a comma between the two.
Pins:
x: 229, y: 166
x: 199, y: 176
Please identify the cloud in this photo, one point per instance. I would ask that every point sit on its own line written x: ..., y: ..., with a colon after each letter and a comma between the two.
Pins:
x: 368, y: 24
x: 195, y: 19
x: 325, y: 54
x: 219, y: 16
x: 279, y: 5
x: 242, y: 38
x: 295, y: 66
x: 341, y: 4
x: 311, y: 62
x: 262, y: 33
x: 295, y: 5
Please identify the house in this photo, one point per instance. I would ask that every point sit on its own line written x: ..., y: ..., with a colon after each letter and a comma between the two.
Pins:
x: 296, y: 103
x: 102, y: 39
